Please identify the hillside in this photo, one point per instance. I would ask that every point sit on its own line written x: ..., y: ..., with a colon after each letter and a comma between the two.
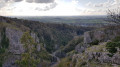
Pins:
x: 26, y: 43
x: 98, y: 48
x: 50, y: 34
x: 49, y: 37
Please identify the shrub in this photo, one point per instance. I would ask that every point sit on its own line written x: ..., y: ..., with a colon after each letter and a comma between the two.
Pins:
x: 112, y: 46
x: 83, y: 64
x: 95, y: 42
x: 4, y: 40
x: 65, y: 62
x: 116, y: 39
x: 2, y: 50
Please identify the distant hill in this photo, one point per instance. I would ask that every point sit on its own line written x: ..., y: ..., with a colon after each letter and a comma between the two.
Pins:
x: 72, y: 20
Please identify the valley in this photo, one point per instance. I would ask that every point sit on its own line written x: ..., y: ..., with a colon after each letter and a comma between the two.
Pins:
x: 57, y: 44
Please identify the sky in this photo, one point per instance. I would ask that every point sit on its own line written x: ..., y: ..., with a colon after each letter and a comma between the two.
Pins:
x: 56, y: 7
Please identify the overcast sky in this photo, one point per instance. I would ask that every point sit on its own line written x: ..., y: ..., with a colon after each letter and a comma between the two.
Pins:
x: 56, y: 7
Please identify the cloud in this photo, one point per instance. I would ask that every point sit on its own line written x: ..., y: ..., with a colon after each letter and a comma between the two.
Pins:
x: 30, y: 1
x: 107, y: 4
x: 3, y: 3
x: 75, y: 1
x: 89, y: 4
x: 46, y: 8
x: 11, y: 0
x: 40, y: 1
x: 17, y: 0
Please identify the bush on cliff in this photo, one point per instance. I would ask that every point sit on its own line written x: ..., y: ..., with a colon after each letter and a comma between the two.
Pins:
x: 113, y: 45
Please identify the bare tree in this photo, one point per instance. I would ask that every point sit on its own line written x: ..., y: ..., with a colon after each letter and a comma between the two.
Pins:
x: 114, y: 16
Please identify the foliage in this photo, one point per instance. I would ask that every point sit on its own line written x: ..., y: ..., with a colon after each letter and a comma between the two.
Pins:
x: 2, y: 56
x: 71, y: 53
x: 27, y: 61
x: 114, y: 16
x: 4, y: 40
x: 113, y: 45
x: 71, y: 45
x: 116, y: 39
x: 4, y: 45
x: 2, y: 50
x: 51, y: 34
x: 65, y: 62
x: 97, y: 48
x: 95, y: 42
x: 28, y: 58
x: 44, y: 55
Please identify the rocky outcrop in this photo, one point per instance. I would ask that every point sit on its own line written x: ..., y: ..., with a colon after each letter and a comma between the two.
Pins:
x: 101, y: 35
x: 80, y: 48
x: 15, y: 47
x: 60, y: 54
x: 35, y: 37
x: 10, y: 61
x: 14, y: 36
x: 103, y: 57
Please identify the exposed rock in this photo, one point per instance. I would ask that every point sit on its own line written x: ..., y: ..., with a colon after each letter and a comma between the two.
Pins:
x: 34, y: 36
x: 87, y: 38
x: 116, y: 59
x: 10, y: 61
x: 60, y: 54
x: 103, y: 57
x: 80, y: 48
x: 38, y: 47
x: 101, y: 35
x: 14, y: 36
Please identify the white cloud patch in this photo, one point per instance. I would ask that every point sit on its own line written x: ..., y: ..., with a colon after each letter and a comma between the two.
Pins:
x: 56, y: 7
x: 40, y: 1
x: 101, y: 8
x: 14, y: 6
x: 105, y: 4
x: 47, y: 7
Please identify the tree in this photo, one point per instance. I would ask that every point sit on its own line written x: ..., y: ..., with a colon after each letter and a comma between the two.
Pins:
x: 114, y: 16
x: 28, y: 58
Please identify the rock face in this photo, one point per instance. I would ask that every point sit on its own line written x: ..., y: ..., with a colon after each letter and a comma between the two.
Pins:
x: 101, y: 35
x: 15, y: 46
x: 10, y: 61
x: 60, y: 54
x: 14, y: 36
x: 35, y: 37
x: 103, y: 57
x: 87, y: 37
x: 97, y: 52
x: 80, y: 48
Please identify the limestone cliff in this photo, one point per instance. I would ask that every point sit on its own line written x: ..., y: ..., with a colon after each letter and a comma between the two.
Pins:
x: 101, y: 35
